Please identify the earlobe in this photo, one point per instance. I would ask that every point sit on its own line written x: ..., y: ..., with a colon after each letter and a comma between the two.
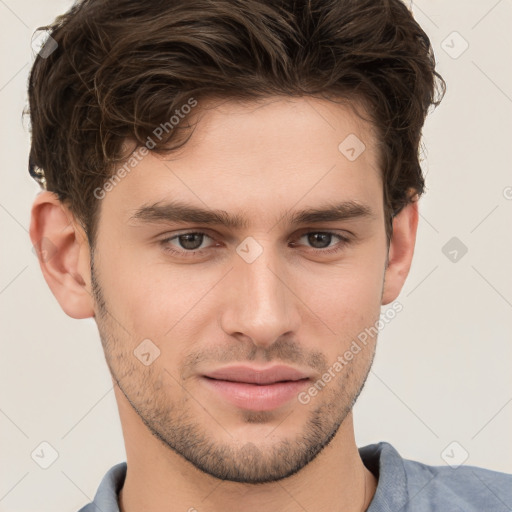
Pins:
x: 63, y: 253
x: 401, y: 250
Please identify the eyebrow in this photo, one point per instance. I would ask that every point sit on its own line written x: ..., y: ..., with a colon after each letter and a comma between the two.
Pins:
x: 179, y: 212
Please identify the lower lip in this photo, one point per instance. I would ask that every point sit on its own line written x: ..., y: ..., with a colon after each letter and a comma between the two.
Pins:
x: 257, y: 397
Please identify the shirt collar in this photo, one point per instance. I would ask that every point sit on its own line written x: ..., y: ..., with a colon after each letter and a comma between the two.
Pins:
x: 381, y: 459
x: 388, y: 467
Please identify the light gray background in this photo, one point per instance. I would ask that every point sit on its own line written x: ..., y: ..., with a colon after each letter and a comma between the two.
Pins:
x: 442, y: 370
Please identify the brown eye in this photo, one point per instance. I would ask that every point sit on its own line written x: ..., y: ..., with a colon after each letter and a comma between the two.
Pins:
x: 191, y: 241
x: 321, y: 241
x: 185, y: 244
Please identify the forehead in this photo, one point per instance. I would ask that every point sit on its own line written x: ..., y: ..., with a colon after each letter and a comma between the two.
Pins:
x: 256, y: 156
x: 281, y: 127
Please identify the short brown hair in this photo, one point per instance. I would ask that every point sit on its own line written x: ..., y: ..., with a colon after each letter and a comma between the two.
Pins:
x: 122, y: 68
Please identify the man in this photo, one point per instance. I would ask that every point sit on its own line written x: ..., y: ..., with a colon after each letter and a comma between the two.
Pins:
x: 232, y: 193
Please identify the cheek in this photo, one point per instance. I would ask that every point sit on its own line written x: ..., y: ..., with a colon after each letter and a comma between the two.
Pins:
x: 157, y: 300
x: 161, y: 301
x: 353, y: 282
x: 347, y: 299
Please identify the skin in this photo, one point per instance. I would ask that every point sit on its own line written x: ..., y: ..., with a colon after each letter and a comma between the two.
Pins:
x: 186, y: 447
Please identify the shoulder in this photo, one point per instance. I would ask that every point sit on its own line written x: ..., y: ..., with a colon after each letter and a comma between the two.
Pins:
x: 409, y: 485
x: 467, y: 488
x: 106, y: 498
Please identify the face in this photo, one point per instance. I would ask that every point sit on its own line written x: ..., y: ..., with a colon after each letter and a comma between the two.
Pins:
x: 217, y: 328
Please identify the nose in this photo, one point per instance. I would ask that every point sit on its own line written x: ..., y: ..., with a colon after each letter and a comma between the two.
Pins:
x: 259, y: 302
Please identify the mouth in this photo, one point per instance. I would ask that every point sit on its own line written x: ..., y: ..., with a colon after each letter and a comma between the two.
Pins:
x: 256, y: 389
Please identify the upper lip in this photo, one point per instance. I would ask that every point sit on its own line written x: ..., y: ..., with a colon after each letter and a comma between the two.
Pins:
x: 254, y: 375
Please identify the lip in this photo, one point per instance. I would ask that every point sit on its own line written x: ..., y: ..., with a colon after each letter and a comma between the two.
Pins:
x: 255, y: 375
x: 256, y: 389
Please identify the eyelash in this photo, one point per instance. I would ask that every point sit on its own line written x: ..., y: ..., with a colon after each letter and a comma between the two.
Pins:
x: 191, y: 254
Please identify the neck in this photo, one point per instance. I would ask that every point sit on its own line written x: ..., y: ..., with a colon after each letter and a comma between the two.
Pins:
x: 336, y: 480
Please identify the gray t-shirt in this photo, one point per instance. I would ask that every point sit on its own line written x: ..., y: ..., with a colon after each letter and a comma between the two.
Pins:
x: 403, y: 486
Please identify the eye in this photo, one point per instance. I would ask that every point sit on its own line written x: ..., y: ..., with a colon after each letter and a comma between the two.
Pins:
x: 186, y: 242
x: 321, y: 241
x: 190, y: 244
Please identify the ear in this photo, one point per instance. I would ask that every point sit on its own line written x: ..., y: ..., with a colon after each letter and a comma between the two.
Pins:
x: 64, y: 255
x: 401, y: 249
